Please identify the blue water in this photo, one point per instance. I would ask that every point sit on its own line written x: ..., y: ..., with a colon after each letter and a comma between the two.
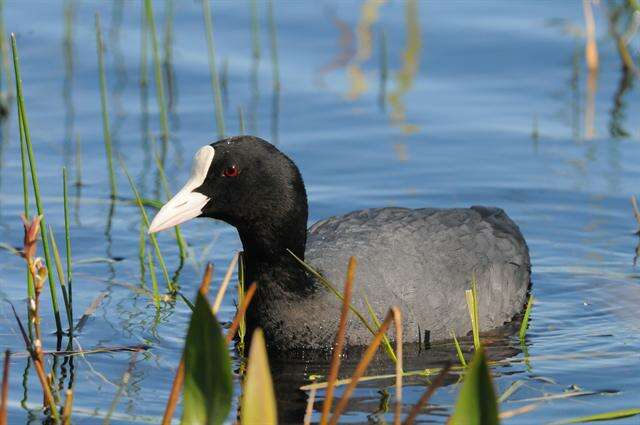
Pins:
x: 486, y: 103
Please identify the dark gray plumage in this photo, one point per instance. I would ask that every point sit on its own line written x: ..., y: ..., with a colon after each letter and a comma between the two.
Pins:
x: 421, y: 260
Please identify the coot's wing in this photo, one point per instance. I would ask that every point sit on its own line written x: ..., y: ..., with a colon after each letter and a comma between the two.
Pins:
x: 422, y: 260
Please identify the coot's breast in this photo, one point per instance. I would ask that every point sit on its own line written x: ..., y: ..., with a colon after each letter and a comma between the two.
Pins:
x: 422, y: 260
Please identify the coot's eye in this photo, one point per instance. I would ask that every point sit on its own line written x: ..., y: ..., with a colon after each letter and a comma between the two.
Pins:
x: 230, y: 171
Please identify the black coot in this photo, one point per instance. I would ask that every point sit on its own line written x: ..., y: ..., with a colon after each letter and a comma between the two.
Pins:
x: 421, y: 260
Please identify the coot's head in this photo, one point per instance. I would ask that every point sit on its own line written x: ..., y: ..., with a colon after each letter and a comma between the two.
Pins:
x: 250, y: 184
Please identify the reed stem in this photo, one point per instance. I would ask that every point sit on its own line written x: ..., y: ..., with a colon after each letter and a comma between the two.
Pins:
x: 67, y: 237
x: 25, y: 202
x: 34, y: 179
x: 61, y: 276
x: 152, y: 237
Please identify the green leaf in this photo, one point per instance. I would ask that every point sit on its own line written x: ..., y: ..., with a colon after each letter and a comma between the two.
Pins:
x: 477, y: 399
x: 208, y: 385
x: 607, y: 416
x: 258, y: 397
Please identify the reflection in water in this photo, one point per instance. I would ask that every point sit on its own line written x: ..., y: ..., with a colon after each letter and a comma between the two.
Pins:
x: 591, y: 55
x: 405, y: 76
x: 590, y: 107
x: 628, y: 69
x: 574, y: 84
x: 369, y: 15
x: 346, y: 52
x: 617, y: 115
x: 293, y: 372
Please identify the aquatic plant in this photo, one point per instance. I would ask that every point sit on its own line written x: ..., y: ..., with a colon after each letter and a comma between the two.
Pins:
x: 22, y: 113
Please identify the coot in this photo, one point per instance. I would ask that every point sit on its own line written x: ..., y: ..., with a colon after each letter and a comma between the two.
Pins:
x: 421, y: 260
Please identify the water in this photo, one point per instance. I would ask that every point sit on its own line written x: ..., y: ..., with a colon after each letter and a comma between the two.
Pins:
x: 488, y: 103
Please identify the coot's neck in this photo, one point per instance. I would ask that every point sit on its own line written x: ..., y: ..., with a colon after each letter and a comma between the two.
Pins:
x: 266, y: 246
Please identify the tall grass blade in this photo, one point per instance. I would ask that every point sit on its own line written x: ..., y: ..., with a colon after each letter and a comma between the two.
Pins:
x: 152, y: 237
x: 367, y: 356
x: 461, y: 358
x: 525, y: 319
x: 215, y: 81
x: 154, y: 280
x: 338, y: 343
x: 162, y: 105
x: 374, y: 318
x: 106, y: 131
x: 225, y: 283
x: 61, y: 277
x: 31, y: 293
x: 258, y: 405
x: 208, y: 384
x: 67, y: 239
x: 329, y: 286
x: 36, y: 186
x: 142, y: 252
x: 242, y: 326
x: 240, y: 313
x: 472, y: 303
x: 476, y: 402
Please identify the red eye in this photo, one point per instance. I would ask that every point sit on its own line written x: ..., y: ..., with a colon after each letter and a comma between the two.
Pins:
x: 231, y: 171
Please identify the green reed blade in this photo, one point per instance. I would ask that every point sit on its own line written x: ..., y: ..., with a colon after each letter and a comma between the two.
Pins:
x: 525, y: 319
x: 152, y: 237
x: 162, y: 105
x: 67, y: 237
x: 328, y: 285
x: 34, y: 180
x: 31, y: 293
x: 215, y: 82
x: 472, y: 304
x: 105, y: 111
x: 61, y: 276
x: 376, y: 321
x: 463, y: 362
x: 242, y: 328
x: 142, y: 247
x: 154, y: 280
